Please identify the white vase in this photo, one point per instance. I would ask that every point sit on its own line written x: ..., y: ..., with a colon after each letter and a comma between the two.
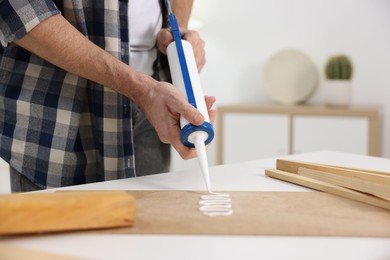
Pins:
x: 337, y: 92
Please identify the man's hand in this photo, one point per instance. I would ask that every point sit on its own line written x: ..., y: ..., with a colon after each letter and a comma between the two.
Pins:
x: 163, y: 106
x: 164, y: 38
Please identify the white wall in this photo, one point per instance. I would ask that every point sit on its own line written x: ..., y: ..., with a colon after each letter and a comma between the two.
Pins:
x: 241, y: 35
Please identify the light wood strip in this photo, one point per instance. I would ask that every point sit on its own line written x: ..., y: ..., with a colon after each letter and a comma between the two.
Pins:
x: 359, y: 169
x: 65, y: 211
x: 373, y: 188
x: 372, y: 176
x: 326, y: 187
x: 316, y: 110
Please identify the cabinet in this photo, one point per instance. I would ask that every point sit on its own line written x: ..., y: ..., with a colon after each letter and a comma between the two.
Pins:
x: 249, y: 132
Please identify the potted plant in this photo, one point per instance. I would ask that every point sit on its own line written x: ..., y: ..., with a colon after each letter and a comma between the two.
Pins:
x: 338, y: 87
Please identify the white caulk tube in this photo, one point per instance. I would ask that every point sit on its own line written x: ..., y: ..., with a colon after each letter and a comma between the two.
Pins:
x: 196, y: 98
x: 191, y: 135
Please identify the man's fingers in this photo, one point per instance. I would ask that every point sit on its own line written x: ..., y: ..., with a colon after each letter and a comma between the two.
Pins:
x: 198, y: 45
x: 192, y: 115
x: 210, y: 100
x: 212, y: 114
x: 185, y: 152
x: 164, y: 38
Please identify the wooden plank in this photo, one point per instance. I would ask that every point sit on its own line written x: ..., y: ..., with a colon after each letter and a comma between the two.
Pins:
x: 377, y: 189
x: 374, y: 136
x: 326, y: 187
x: 315, y: 110
x: 258, y: 213
x: 372, y: 176
x: 64, y: 211
x: 220, y: 136
x: 358, y: 169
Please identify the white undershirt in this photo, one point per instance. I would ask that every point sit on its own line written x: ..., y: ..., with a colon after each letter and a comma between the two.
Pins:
x: 145, y: 21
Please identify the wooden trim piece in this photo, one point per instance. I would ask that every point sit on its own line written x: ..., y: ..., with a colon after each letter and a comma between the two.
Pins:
x: 358, y: 169
x: 329, y: 188
x: 293, y: 167
x: 291, y: 134
x: 28, y: 213
x: 374, y: 135
x: 220, y: 117
x: 315, y: 110
x: 372, y: 187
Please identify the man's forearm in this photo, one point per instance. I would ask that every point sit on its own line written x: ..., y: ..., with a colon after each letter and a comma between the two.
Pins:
x: 58, y: 42
x: 182, y: 10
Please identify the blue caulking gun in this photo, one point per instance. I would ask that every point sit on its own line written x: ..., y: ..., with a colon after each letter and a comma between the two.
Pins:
x: 185, y: 77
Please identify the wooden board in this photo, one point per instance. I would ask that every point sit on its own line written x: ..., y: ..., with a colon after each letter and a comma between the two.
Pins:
x: 358, y: 184
x: 65, y: 211
x: 258, y: 213
x: 369, y: 175
x: 366, y: 181
x: 329, y: 188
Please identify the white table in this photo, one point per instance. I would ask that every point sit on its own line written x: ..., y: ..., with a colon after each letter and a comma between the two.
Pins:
x: 247, y: 176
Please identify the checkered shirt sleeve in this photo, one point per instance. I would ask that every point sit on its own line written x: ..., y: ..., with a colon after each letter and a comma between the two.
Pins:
x: 18, y: 17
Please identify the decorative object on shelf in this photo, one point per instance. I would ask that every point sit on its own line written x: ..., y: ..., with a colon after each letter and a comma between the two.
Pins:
x: 338, y: 87
x: 290, y: 77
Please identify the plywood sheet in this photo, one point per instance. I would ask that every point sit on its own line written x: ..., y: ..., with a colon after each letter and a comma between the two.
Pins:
x: 258, y: 213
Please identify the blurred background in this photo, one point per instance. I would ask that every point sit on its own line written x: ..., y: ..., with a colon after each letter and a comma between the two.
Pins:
x: 241, y: 37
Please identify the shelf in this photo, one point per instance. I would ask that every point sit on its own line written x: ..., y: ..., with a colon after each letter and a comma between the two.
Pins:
x: 371, y: 113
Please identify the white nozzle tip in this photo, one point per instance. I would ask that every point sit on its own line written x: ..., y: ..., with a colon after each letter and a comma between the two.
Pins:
x: 200, y: 147
x: 198, y: 136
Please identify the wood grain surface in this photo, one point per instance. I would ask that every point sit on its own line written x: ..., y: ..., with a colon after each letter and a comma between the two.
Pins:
x: 65, y: 211
x: 258, y: 213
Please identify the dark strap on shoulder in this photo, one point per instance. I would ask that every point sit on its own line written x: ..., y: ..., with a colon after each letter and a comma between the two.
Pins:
x: 59, y: 4
x: 160, y: 65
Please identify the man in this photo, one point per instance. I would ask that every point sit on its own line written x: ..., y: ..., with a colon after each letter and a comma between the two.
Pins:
x: 68, y: 96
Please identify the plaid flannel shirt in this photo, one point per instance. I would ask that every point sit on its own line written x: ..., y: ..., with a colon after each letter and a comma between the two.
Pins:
x: 56, y: 128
